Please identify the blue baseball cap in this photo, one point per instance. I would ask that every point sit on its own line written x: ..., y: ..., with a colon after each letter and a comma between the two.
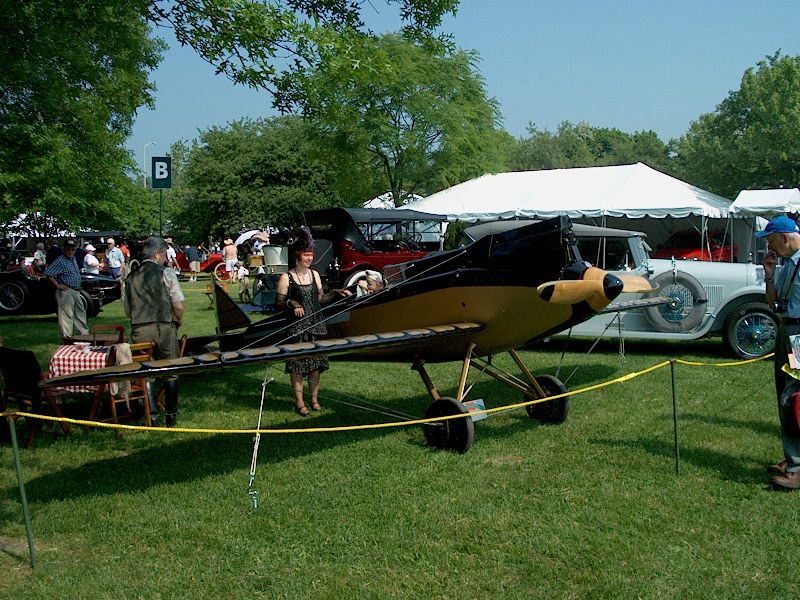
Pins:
x: 779, y: 225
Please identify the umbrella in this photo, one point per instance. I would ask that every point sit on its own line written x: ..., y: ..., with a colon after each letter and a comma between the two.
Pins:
x: 249, y: 235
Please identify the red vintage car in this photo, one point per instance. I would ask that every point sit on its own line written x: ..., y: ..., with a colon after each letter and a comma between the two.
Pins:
x: 352, y: 240
x: 207, y: 266
x: 686, y: 245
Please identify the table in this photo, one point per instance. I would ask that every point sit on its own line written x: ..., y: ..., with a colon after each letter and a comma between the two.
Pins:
x: 95, y: 339
x: 79, y: 357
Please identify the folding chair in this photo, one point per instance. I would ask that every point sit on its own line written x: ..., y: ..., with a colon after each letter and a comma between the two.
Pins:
x: 21, y: 376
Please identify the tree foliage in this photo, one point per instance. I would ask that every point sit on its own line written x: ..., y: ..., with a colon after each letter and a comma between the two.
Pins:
x: 250, y: 174
x: 422, y: 116
x: 582, y: 145
x: 74, y: 73
x: 266, y: 43
x: 752, y: 140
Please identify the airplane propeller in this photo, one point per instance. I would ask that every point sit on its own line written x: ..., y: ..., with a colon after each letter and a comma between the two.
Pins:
x: 631, y: 283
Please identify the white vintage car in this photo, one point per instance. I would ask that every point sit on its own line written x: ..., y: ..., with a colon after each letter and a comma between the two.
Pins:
x: 707, y: 298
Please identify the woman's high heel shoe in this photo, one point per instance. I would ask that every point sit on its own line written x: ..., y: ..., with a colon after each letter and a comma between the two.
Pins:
x: 301, y: 409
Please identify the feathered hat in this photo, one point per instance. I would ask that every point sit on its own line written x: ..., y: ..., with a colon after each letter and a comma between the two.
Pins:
x: 303, y: 242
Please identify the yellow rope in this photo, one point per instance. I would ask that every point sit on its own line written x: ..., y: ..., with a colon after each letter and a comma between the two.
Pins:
x: 488, y: 411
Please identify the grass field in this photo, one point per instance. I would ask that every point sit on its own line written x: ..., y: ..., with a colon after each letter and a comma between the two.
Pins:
x: 592, y: 508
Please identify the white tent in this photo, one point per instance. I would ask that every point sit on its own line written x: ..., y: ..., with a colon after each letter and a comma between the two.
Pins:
x: 632, y: 191
x: 767, y: 201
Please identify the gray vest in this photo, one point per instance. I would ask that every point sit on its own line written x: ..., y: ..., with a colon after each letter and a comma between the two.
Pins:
x: 148, y: 297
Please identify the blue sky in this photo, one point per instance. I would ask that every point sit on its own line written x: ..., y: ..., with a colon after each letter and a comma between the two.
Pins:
x: 624, y: 64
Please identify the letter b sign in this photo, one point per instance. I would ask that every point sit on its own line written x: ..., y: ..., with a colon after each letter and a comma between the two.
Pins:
x: 162, y: 172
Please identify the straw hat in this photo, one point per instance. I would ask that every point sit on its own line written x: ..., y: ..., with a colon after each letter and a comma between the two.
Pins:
x: 228, y: 241
x: 89, y: 248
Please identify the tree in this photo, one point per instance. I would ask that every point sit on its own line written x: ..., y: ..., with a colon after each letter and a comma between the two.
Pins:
x: 582, y: 145
x: 752, y: 140
x: 422, y: 116
x: 267, y: 43
x: 256, y: 173
x: 74, y: 73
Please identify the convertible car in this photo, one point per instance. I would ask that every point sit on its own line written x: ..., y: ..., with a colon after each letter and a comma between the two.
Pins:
x: 21, y: 294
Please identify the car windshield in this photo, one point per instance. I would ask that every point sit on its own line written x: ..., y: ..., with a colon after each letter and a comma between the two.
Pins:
x: 687, y: 239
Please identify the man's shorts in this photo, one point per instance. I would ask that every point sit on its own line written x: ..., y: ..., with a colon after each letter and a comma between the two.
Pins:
x: 230, y: 264
x: 194, y: 266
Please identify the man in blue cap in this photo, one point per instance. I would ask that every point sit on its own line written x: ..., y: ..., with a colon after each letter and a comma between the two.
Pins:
x: 783, y: 293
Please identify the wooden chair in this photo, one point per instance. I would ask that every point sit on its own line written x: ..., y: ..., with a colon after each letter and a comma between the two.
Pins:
x: 139, y: 391
x: 100, y: 328
x: 21, y: 376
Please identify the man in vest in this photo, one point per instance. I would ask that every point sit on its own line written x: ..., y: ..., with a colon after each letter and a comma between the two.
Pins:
x: 153, y: 299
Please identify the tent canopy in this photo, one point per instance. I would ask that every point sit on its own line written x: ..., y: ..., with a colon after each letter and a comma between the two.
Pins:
x: 620, y: 191
x: 767, y: 201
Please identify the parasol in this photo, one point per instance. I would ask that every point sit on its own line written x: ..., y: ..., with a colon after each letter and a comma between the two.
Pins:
x: 253, y: 233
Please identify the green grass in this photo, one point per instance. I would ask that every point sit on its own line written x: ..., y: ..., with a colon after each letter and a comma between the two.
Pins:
x: 592, y: 508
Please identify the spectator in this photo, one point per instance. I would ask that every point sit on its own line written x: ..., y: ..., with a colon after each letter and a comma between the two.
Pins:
x: 90, y: 262
x: 193, y: 256
x: 114, y: 258
x: 172, y: 256
x: 65, y: 275
x: 80, y: 254
x: 153, y: 299
x: 230, y: 256
x: 40, y: 253
x: 53, y: 252
x: 34, y: 269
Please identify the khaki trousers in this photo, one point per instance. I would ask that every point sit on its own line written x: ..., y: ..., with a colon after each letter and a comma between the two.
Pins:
x: 71, y: 311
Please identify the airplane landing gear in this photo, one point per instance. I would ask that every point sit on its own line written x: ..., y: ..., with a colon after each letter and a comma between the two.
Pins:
x: 453, y: 434
x: 554, y: 411
x: 458, y: 434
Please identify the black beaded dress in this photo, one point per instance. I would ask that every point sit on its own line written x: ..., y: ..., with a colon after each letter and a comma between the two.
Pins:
x: 306, y: 328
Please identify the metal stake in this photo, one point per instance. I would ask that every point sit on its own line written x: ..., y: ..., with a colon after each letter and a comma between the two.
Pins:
x: 675, y: 418
x: 23, y: 497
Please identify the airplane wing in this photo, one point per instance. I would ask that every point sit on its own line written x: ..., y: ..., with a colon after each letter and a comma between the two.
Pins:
x: 632, y: 304
x: 267, y: 354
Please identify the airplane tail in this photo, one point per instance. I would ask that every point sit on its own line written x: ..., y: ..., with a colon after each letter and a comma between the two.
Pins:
x: 229, y: 315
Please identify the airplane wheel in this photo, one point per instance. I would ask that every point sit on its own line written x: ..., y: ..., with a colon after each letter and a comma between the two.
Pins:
x: 454, y: 434
x: 555, y: 411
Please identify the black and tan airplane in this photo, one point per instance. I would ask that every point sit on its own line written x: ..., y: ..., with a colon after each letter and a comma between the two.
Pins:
x: 492, y: 296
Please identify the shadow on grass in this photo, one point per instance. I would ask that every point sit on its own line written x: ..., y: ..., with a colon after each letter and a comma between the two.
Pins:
x: 729, y: 468
x: 712, y: 348
x: 756, y: 426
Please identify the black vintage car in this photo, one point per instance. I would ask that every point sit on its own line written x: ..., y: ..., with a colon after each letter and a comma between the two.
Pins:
x: 21, y: 294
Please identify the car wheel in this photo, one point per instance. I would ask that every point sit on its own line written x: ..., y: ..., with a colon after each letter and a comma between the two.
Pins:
x: 221, y: 273
x: 687, y: 307
x: 92, y: 305
x: 751, y: 330
x: 12, y: 296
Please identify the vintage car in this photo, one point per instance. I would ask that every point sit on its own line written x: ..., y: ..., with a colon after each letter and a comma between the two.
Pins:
x: 207, y: 266
x: 687, y: 245
x: 21, y: 294
x: 707, y: 298
x: 350, y: 241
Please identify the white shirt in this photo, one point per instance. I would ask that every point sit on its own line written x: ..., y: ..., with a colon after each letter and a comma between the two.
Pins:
x: 91, y: 264
x: 115, y: 258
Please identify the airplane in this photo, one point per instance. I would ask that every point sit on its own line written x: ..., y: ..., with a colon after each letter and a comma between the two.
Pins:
x: 494, y: 295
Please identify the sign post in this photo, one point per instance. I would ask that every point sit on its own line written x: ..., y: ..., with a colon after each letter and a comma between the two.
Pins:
x: 161, y: 179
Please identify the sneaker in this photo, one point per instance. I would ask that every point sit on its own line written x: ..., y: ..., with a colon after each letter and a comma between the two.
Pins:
x: 778, y: 468
x: 790, y: 480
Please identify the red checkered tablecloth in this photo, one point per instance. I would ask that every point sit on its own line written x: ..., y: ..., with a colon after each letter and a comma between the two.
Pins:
x: 68, y: 359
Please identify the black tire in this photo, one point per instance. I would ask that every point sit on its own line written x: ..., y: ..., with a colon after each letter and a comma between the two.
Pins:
x: 453, y: 434
x: 751, y: 330
x: 688, y: 306
x: 12, y: 297
x: 553, y: 412
x: 92, y: 305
